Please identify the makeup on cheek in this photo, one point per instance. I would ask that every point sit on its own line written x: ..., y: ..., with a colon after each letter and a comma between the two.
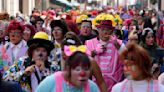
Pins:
x: 133, y: 68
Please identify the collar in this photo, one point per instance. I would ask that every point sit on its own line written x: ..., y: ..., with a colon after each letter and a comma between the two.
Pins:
x: 19, y: 45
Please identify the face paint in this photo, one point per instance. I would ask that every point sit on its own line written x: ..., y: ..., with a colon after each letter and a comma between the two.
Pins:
x: 40, y: 54
x: 82, y: 73
x: 133, y: 68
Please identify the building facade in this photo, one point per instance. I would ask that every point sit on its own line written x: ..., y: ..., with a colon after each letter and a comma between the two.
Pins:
x: 14, y: 6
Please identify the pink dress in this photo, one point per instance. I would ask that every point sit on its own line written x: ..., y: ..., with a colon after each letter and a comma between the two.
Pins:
x: 108, y: 62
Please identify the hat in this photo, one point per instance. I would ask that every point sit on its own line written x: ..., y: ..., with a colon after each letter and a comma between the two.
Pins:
x: 105, y: 24
x: 41, y: 38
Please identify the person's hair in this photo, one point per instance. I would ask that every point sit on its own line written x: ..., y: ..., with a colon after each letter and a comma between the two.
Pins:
x: 35, y: 46
x: 77, y: 59
x: 72, y: 26
x: 87, y: 20
x: 140, y: 58
x: 143, y: 36
x: 38, y: 18
x: 71, y: 39
x: 32, y: 29
x: 147, y: 23
x: 59, y: 23
x: 15, y: 25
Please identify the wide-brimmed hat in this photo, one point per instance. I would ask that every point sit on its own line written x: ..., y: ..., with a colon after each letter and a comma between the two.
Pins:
x: 105, y: 24
x: 41, y: 39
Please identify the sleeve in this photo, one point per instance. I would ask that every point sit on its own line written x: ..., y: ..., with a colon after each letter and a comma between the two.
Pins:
x: 15, y: 71
x: 93, y: 87
x: 47, y: 85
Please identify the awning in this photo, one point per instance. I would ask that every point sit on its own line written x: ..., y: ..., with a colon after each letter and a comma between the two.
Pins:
x: 63, y: 3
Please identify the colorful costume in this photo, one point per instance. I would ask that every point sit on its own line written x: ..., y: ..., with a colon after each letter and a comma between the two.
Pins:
x: 138, y: 86
x: 8, y: 57
x: 29, y: 82
x: 108, y: 61
x: 57, y: 83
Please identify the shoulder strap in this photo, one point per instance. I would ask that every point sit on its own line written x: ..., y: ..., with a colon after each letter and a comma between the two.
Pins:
x: 58, y: 81
x: 87, y: 87
x: 123, y: 88
x: 155, y: 86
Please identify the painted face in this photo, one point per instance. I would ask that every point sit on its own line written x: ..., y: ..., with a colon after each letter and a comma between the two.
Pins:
x: 15, y: 36
x: 80, y: 75
x: 57, y: 33
x: 149, y: 39
x: 85, y: 29
x: 27, y: 34
x: 105, y: 34
x: 131, y: 71
x: 39, y: 55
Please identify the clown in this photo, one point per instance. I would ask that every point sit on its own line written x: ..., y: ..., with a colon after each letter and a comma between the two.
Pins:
x: 104, y: 50
x: 30, y: 70
x: 75, y: 77
x: 137, y: 69
x: 16, y: 48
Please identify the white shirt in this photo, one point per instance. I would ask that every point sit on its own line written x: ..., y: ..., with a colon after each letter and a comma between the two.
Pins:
x: 17, y: 48
x: 137, y: 86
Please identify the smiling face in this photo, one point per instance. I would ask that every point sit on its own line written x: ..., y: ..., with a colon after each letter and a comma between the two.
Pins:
x: 80, y: 75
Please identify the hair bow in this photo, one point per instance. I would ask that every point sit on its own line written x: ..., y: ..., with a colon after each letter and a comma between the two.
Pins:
x: 69, y: 50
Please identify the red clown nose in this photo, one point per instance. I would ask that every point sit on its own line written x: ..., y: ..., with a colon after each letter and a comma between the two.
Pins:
x: 82, y: 74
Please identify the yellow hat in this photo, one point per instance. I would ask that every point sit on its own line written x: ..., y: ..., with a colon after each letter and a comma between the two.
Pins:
x: 80, y: 18
x: 41, y: 39
x: 41, y: 35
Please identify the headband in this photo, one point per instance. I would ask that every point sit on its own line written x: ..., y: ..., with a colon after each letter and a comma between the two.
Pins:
x: 144, y: 31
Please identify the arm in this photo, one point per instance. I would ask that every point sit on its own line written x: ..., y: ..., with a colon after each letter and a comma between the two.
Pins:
x: 96, y: 72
